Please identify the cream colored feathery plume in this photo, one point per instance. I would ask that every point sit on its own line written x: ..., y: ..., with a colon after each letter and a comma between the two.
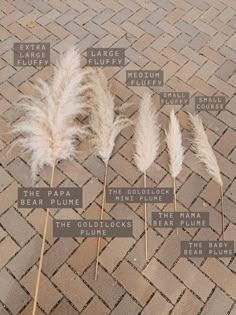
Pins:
x: 49, y: 127
x: 105, y: 126
x: 206, y: 155
x: 175, y: 151
x: 147, y: 142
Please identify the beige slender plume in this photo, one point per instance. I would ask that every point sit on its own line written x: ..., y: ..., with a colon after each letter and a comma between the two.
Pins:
x: 147, y: 142
x: 175, y: 151
x: 49, y: 127
x: 206, y: 155
x: 105, y: 126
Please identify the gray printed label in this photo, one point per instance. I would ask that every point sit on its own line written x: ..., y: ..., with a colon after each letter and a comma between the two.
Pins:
x: 144, y: 77
x: 92, y: 228
x: 207, y: 248
x: 106, y: 57
x: 31, y: 54
x: 180, y: 219
x: 174, y: 98
x: 139, y: 195
x: 210, y: 103
x: 44, y: 197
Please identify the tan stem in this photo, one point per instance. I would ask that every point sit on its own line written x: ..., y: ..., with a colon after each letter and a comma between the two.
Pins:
x: 101, y: 217
x: 145, y: 220
x: 175, y: 199
x: 222, y: 211
x: 42, y: 251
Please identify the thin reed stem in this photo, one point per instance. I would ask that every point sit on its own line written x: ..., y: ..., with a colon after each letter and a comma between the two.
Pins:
x: 42, y: 250
x: 145, y: 220
x: 222, y: 211
x: 101, y: 217
x: 175, y: 199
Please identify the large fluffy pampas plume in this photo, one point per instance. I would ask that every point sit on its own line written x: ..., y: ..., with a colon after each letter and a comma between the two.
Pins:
x: 147, y: 142
x: 49, y: 127
x: 175, y: 150
x: 206, y: 155
x: 105, y: 125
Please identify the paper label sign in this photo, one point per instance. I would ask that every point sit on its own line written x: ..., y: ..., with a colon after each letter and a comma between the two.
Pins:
x: 44, y: 197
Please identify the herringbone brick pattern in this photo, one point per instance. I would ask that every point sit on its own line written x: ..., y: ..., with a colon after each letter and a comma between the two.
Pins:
x: 194, y: 42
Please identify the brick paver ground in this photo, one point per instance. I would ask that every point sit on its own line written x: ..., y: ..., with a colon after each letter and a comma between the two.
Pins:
x: 194, y: 42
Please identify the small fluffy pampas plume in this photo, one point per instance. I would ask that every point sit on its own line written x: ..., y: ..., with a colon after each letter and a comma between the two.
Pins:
x: 49, y: 127
x: 175, y: 150
x: 147, y: 142
x: 206, y: 155
x: 105, y: 126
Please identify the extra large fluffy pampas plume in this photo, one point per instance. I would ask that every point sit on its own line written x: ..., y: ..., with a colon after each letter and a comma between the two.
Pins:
x: 49, y: 126
x: 105, y: 126
x: 147, y: 141
x: 206, y: 155
x: 175, y: 150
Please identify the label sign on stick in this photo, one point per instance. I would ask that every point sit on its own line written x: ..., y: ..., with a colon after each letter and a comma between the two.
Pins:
x: 44, y: 197
x: 180, y: 219
x: 207, y: 248
x: 139, y: 195
x: 92, y: 228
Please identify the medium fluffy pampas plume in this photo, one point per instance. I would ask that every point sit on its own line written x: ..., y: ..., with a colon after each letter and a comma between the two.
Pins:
x: 147, y: 142
x: 49, y: 126
x: 146, y: 135
x: 175, y: 150
x: 206, y: 155
x: 105, y: 126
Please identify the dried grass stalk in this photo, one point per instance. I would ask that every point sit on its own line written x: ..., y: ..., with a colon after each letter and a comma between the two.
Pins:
x: 206, y: 155
x: 147, y: 142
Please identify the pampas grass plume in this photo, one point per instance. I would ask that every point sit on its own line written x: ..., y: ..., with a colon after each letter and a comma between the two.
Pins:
x: 204, y: 150
x: 49, y: 127
x: 174, y: 144
x: 146, y: 137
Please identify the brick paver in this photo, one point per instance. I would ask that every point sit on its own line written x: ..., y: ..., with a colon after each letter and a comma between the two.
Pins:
x: 194, y: 43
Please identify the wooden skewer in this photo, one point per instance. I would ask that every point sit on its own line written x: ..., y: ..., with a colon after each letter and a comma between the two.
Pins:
x: 145, y: 220
x: 101, y: 217
x: 42, y: 250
